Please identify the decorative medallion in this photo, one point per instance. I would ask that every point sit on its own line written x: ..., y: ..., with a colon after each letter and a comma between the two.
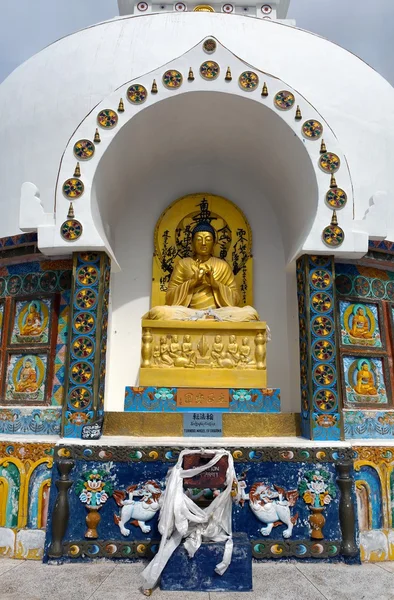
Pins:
x: 142, y: 6
x: 81, y: 372
x: 209, y: 69
x: 209, y: 46
x: 325, y: 400
x: 378, y: 288
x: 107, y: 118
x: 320, y: 279
x: 86, y: 299
x: 284, y: 100
x: 266, y: 9
x: 248, y: 80
x: 79, y: 397
x: 321, y: 302
x: 180, y: 7
x: 324, y: 374
x: 323, y: 350
x: 333, y: 235
x: 14, y: 285
x: 30, y: 283
x: 73, y: 188
x: 71, y: 230
x: 343, y: 284
x: 361, y: 286
x: 84, y: 149
x: 82, y: 347
x: 320, y: 261
x: 137, y: 94
x: 87, y: 275
x: 312, y: 129
x: 84, y: 322
x: 203, y: 8
x: 48, y: 281
x: 329, y: 162
x: 390, y: 290
x: 336, y: 198
x: 228, y: 8
x: 172, y: 79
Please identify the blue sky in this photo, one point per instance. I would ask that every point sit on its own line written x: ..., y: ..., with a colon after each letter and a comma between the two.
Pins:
x: 364, y: 27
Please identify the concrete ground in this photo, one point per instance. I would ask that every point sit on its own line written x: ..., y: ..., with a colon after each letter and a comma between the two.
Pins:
x: 32, y: 580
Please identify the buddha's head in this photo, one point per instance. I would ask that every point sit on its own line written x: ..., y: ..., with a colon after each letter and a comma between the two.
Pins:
x: 365, y: 366
x: 360, y: 311
x: 203, y: 239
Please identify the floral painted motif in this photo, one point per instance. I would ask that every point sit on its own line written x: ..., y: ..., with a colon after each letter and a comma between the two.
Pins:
x: 87, y: 275
x: 86, y: 298
x: 79, y: 397
x: 209, y: 70
x: 94, y: 489
x: 248, y: 80
x: 73, y: 188
x: 107, y: 118
x: 325, y: 400
x: 316, y: 488
x: 336, y: 198
x: 320, y: 279
x: 71, y: 230
x: 84, y: 322
x: 321, y: 302
x: 284, y: 100
x: 172, y: 79
x: 138, y: 512
x: 329, y: 162
x: 333, y: 235
x: 84, y: 149
x: 322, y: 326
x: 137, y: 94
x: 312, y: 129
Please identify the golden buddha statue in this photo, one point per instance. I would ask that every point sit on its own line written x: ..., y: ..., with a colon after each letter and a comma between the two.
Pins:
x: 33, y: 322
x: 202, y: 287
x: 365, y: 381
x: 360, y: 325
x: 27, y: 381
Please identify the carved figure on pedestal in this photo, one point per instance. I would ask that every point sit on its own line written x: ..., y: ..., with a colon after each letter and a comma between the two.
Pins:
x: 138, y: 512
x: 165, y: 352
x: 202, y: 287
x: 188, y: 352
x: 233, y: 350
x: 245, y: 351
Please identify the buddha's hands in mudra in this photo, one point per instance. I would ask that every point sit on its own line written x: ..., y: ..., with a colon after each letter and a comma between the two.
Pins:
x: 203, y: 274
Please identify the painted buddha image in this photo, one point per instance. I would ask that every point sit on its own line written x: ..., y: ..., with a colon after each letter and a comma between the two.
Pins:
x: 26, y: 381
x: 360, y: 325
x: 365, y: 385
x: 32, y: 323
x: 203, y: 286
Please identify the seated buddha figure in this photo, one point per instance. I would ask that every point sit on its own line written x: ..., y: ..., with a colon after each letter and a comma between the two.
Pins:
x: 202, y: 286
x: 32, y: 324
x: 27, y: 381
x: 360, y: 325
x: 365, y: 381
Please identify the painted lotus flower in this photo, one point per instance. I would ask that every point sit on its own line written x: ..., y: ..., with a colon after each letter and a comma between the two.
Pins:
x: 317, y: 488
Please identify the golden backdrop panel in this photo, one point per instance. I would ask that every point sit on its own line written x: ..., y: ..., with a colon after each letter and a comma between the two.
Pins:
x: 172, y: 241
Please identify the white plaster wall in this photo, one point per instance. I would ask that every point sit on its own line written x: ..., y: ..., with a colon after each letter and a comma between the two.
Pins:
x: 52, y: 92
x: 143, y: 181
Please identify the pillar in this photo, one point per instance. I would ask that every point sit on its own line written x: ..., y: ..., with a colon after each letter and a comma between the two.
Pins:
x: 321, y: 417
x: 87, y: 345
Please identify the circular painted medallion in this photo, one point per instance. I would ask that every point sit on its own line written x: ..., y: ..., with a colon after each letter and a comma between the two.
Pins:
x: 84, y: 322
x: 266, y: 9
x: 14, y: 285
x: 180, y: 7
x: 73, y: 188
x: 86, y: 299
x: 248, y: 80
x: 325, y: 400
x: 228, y: 8
x: 321, y: 302
x: 284, y: 100
x: 48, y: 281
x: 87, y: 275
x: 79, y: 397
x: 209, y: 70
x: 319, y: 261
x: 343, y: 284
x: 323, y: 350
x: 336, y: 198
x: 324, y: 374
x: 84, y: 149
x: 333, y: 236
x: 312, y: 129
x: 89, y: 256
x: 107, y: 118
x: 82, y: 347
x: 329, y: 162
x: 173, y: 79
x: 390, y: 290
x: 137, y: 94
x: 30, y: 283
x: 209, y: 46
x: 322, y: 326
x: 81, y: 372
x: 71, y: 230
x: 320, y: 279
x: 378, y: 288
x: 361, y: 286
x: 65, y: 280
x: 142, y: 6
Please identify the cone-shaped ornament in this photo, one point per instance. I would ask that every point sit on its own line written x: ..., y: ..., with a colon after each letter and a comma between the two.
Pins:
x: 298, y: 115
x: 191, y: 75
x: 121, y: 105
x: 97, y: 138
x: 333, y: 181
x: 154, y: 87
x: 77, y: 172
x: 228, y: 75
x: 264, y: 91
x: 323, y: 148
x: 71, y: 214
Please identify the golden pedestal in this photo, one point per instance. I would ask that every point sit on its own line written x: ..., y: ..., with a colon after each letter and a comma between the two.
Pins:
x: 203, y: 354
